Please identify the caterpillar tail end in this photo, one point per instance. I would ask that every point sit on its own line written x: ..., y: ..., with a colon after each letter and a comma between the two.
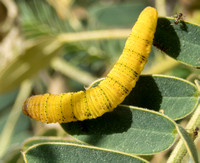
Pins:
x: 34, y: 107
x: 25, y: 108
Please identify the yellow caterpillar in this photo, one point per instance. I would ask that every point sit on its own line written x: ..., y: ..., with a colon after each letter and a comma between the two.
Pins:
x: 94, y: 102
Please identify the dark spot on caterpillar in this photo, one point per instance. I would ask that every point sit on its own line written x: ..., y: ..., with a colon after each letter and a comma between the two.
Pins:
x: 73, y: 115
x: 89, y: 114
x: 61, y: 98
x: 142, y: 57
x: 123, y: 87
x: 107, y: 99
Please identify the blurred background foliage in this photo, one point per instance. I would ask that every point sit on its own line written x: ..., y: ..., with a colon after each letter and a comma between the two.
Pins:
x: 55, y: 46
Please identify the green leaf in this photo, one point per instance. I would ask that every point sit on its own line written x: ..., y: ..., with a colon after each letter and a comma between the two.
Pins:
x: 38, y: 140
x: 12, y: 156
x: 180, y: 41
x: 120, y: 15
x: 26, y: 65
x: 126, y: 129
x: 13, y: 126
x: 174, y: 96
x: 7, y: 99
x: 188, y: 143
x: 69, y: 70
x: 68, y: 152
x: 39, y: 18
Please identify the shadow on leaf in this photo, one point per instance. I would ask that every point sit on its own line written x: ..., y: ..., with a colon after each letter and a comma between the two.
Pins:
x: 166, y: 38
x: 117, y: 121
x: 146, y: 94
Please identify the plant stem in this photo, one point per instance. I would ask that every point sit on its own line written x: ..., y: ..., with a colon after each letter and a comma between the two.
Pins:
x: 162, y: 66
x: 180, y: 150
x: 8, y: 129
x: 64, y: 67
x: 160, y: 6
x: 94, y: 35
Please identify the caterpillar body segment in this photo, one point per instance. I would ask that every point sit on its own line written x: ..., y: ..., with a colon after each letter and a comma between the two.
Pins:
x: 94, y: 102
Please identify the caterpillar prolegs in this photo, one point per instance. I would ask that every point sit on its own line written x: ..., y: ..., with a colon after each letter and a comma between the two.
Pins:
x: 94, y: 102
